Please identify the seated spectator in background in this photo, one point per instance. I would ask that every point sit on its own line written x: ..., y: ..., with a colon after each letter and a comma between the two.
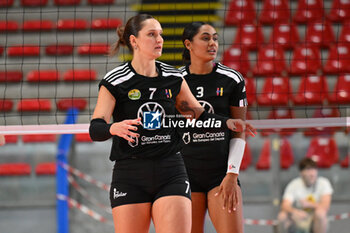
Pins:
x: 306, y: 201
x: 2, y: 140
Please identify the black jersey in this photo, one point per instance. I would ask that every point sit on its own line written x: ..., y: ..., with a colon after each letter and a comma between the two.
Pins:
x: 217, y: 91
x: 151, y: 99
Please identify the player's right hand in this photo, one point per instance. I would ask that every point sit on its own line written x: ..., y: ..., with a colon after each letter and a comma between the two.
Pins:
x: 238, y: 125
x: 126, y: 129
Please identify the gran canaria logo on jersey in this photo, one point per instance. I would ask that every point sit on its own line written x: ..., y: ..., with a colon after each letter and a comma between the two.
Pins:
x: 204, y: 136
x: 134, y: 94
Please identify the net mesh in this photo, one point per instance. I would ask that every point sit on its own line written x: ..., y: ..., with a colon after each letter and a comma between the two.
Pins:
x: 293, y: 54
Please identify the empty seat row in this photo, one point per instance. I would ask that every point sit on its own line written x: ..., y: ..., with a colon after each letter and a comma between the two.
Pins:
x: 42, y: 105
x: 25, y: 169
x: 319, y: 33
x: 323, y: 150
x: 62, y: 24
x: 48, y: 75
x: 244, y: 11
x: 312, y: 90
x: 41, y: 3
x: 305, y: 59
x: 57, y: 50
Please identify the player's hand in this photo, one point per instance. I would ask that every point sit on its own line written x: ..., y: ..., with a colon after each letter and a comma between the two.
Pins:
x: 2, y: 140
x: 125, y: 129
x: 239, y: 125
x: 229, y: 192
x: 299, y: 214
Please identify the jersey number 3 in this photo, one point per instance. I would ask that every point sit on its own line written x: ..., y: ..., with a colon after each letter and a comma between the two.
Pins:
x: 200, y: 92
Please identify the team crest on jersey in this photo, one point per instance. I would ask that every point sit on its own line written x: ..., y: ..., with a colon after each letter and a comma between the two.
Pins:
x: 152, y: 114
x: 152, y: 120
x: 134, y: 94
x: 168, y: 93
x: 219, y: 91
x: 207, y: 106
x: 186, y: 137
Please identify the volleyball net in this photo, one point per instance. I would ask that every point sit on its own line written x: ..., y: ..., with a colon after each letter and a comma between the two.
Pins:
x: 293, y: 54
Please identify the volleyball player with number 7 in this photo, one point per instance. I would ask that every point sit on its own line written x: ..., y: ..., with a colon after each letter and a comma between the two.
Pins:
x: 212, y: 158
x: 149, y: 179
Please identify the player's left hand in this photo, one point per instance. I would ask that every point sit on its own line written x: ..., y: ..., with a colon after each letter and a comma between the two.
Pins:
x: 238, y: 125
x: 229, y: 192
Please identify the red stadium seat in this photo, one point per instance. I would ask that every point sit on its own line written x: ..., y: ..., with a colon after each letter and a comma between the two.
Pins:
x: 80, y: 75
x: 46, y: 168
x: 279, y: 114
x: 247, y: 158
x: 43, y: 76
x: 83, y: 137
x: 338, y: 59
x: 1, y: 50
x: 11, y: 76
x: 93, y: 49
x: 11, y: 139
x: 249, y: 36
x: 286, y: 155
x: 305, y: 60
x: 30, y: 105
x: 264, y: 162
x: 6, y: 105
x: 250, y: 90
x: 341, y: 93
x: 319, y: 33
x: 8, y: 26
x: 72, y: 24
x: 270, y: 61
x: 285, y: 35
x: 15, y: 169
x: 65, y: 104
x: 105, y: 24
x: 313, y: 89
x: 276, y: 91
x: 6, y: 3
x: 37, y: 25
x: 59, y: 49
x: 345, y: 162
x: 34, y: 3
x: 67, y: 2
x: 23, y: 50
x: 100, y: 2
x: 345, y: 33
x: 324, y: 151
x: 275, y: 12
x: 322, y: 113
x: 236, y: 57
x: 239, y: 12
x: 38, y: 138
x: 340, y: 11
x: 309, y: 10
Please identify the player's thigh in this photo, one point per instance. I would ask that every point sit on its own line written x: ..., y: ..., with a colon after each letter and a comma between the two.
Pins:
x: 223, y: 221
x: 132, y: 218
x: 172, y: 214
x: 199, y: 209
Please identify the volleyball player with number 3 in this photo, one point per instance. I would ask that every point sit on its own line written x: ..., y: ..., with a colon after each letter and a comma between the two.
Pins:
x: 213, y: 157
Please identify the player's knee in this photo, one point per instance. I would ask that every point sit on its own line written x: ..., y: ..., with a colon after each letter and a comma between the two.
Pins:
x: 282, y: 216
x: 320, y: 214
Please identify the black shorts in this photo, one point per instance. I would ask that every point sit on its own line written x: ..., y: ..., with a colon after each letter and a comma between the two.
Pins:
x: 145, y: 180
x: 205, y: 180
